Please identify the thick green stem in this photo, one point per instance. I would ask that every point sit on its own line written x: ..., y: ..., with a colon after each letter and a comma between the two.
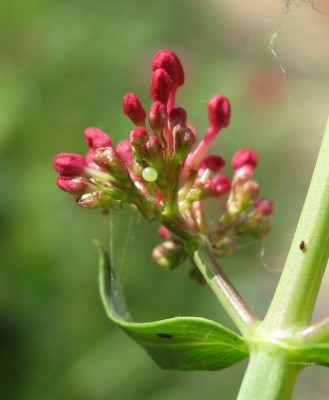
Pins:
x: 234, y: 305
x: 295, y: 297
x: 269, y: 376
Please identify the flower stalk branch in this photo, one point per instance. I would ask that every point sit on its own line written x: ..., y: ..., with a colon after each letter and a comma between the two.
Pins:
x: 238, y: 310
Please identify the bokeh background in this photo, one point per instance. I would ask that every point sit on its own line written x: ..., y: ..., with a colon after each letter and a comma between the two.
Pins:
x: 64, y: 66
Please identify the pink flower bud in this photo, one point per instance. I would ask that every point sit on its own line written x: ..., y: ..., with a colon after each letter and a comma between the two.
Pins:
x: 244, y: 157
x: 214, y: 163
x: 161, y: 86
x: 168, y: 60
x: 133, y: 108
x: 96, y: 138
x: 219, y: 112
x: 158, y: 115
x: 69, y: 164
x: 124, y: 151
x: 75, y: 185
x: 220, y: 185
x: 264, y: 206
x: 177, y: 116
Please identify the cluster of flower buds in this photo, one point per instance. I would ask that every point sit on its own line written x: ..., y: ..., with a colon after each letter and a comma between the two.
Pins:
x: 161, y: 173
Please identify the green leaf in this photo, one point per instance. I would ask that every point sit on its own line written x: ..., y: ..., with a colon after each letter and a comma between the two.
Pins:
x: 317, y: 353
x: 182, y: 343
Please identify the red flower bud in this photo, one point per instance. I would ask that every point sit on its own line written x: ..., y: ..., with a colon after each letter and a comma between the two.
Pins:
x: 69, y: 164
x: 214, y: 163
x: 96, y: 138
x: 158, y: 115
x: 75, y: 185
x: 244, y: 157
x: 161, y: 86
x: 177, y: 116
x: 133, y: 108
x: 243, y: 174
x: 264, y: 206
x: 219, y: 112
x: 168, y: 60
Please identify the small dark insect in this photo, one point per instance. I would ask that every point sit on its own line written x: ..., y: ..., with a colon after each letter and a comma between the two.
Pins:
x: 165, y: 335
x: 302, y: 245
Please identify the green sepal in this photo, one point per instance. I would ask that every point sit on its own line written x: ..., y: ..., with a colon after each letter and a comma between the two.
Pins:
x: 182, y: 343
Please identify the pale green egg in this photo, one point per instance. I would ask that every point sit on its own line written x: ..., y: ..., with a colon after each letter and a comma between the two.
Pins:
x: 150, y: 174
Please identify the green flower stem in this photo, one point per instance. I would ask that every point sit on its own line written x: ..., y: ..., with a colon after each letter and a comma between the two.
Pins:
x: 269, y: 376
x: 234, y: 305
x: 293, y: 303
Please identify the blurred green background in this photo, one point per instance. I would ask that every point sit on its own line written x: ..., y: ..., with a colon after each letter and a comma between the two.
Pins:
x: 64, y: 66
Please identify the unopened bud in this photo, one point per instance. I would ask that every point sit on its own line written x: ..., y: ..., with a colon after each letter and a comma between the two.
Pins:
x: 110, y: 161
x: 261, y: 229
x: 161, y: 86
x: 213, y: 163
x: 183, y: 142
x: 220, y: 185
x: 124, y: 151
x: 244, y: 157
x: 168, y: 60
x: 138, y: 138
x: 177, y: 116
x: 133, y: 108
x: 243, y: 174
x: 225, y: 247
x: 96, y: 138
x: 164, y: 232
x: 69, y: 164
x: 219, y: 112
x: 98, y: 199
x: 158, y: 115
x: 169, y: 255
x: 264, y: 206
x: 152, y: 151
x: 75, y: 185
x: 250, y: 189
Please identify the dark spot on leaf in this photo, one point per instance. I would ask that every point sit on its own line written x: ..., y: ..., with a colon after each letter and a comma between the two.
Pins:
x: 302, y: 245
x: 165, y: 335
